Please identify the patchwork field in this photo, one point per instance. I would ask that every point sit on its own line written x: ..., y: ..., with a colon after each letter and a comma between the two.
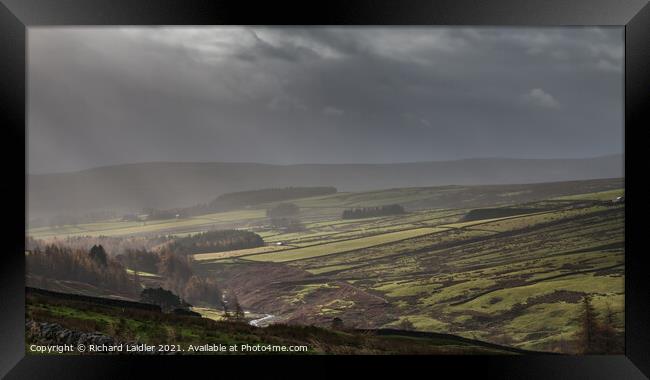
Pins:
x: 515, y: 280
x: 504, y: 264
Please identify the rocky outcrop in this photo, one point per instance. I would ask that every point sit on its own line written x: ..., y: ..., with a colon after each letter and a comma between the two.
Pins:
x: 46, y: 333
x: 52, y: 334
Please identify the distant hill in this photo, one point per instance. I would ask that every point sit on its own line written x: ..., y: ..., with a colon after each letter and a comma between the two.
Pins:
x: 132, y: 187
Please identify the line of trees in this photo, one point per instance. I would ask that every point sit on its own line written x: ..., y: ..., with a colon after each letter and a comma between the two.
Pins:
x: 370, y: 212
x: 215, y: 241
x: 97, y: 268
x: 93, y: 267
x: 113, y: 245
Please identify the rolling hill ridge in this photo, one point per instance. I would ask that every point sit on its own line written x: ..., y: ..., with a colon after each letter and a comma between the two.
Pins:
x: 132, y: 187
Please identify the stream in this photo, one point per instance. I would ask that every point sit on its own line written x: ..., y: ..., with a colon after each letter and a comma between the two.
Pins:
x: 262, y: 322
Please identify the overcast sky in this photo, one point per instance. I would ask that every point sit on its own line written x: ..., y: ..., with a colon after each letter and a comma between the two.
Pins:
x: 103, y: 96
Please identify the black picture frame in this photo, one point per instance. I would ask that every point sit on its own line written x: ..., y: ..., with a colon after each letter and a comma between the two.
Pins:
x: 17, y: 15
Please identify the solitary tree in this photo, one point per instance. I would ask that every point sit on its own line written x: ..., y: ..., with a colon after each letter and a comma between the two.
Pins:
x: 587, y: 334
x: 98, y: 254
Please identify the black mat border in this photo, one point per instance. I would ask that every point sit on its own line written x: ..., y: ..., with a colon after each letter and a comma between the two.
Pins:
x: 17, y: 15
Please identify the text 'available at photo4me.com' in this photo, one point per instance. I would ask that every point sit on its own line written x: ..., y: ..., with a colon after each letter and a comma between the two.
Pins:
x: 164, y: 348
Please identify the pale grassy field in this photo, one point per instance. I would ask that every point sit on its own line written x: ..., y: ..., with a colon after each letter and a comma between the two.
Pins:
x: 343, y: 246
x: 237, y: 253
x: 120, y: 228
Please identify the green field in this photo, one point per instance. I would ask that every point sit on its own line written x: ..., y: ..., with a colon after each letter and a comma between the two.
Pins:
x: 342, y: 246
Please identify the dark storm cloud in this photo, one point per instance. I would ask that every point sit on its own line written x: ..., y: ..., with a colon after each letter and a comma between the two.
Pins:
x: 103, y: 96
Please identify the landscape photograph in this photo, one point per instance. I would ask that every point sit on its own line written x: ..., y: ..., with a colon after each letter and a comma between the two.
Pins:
x: 325, y: 190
